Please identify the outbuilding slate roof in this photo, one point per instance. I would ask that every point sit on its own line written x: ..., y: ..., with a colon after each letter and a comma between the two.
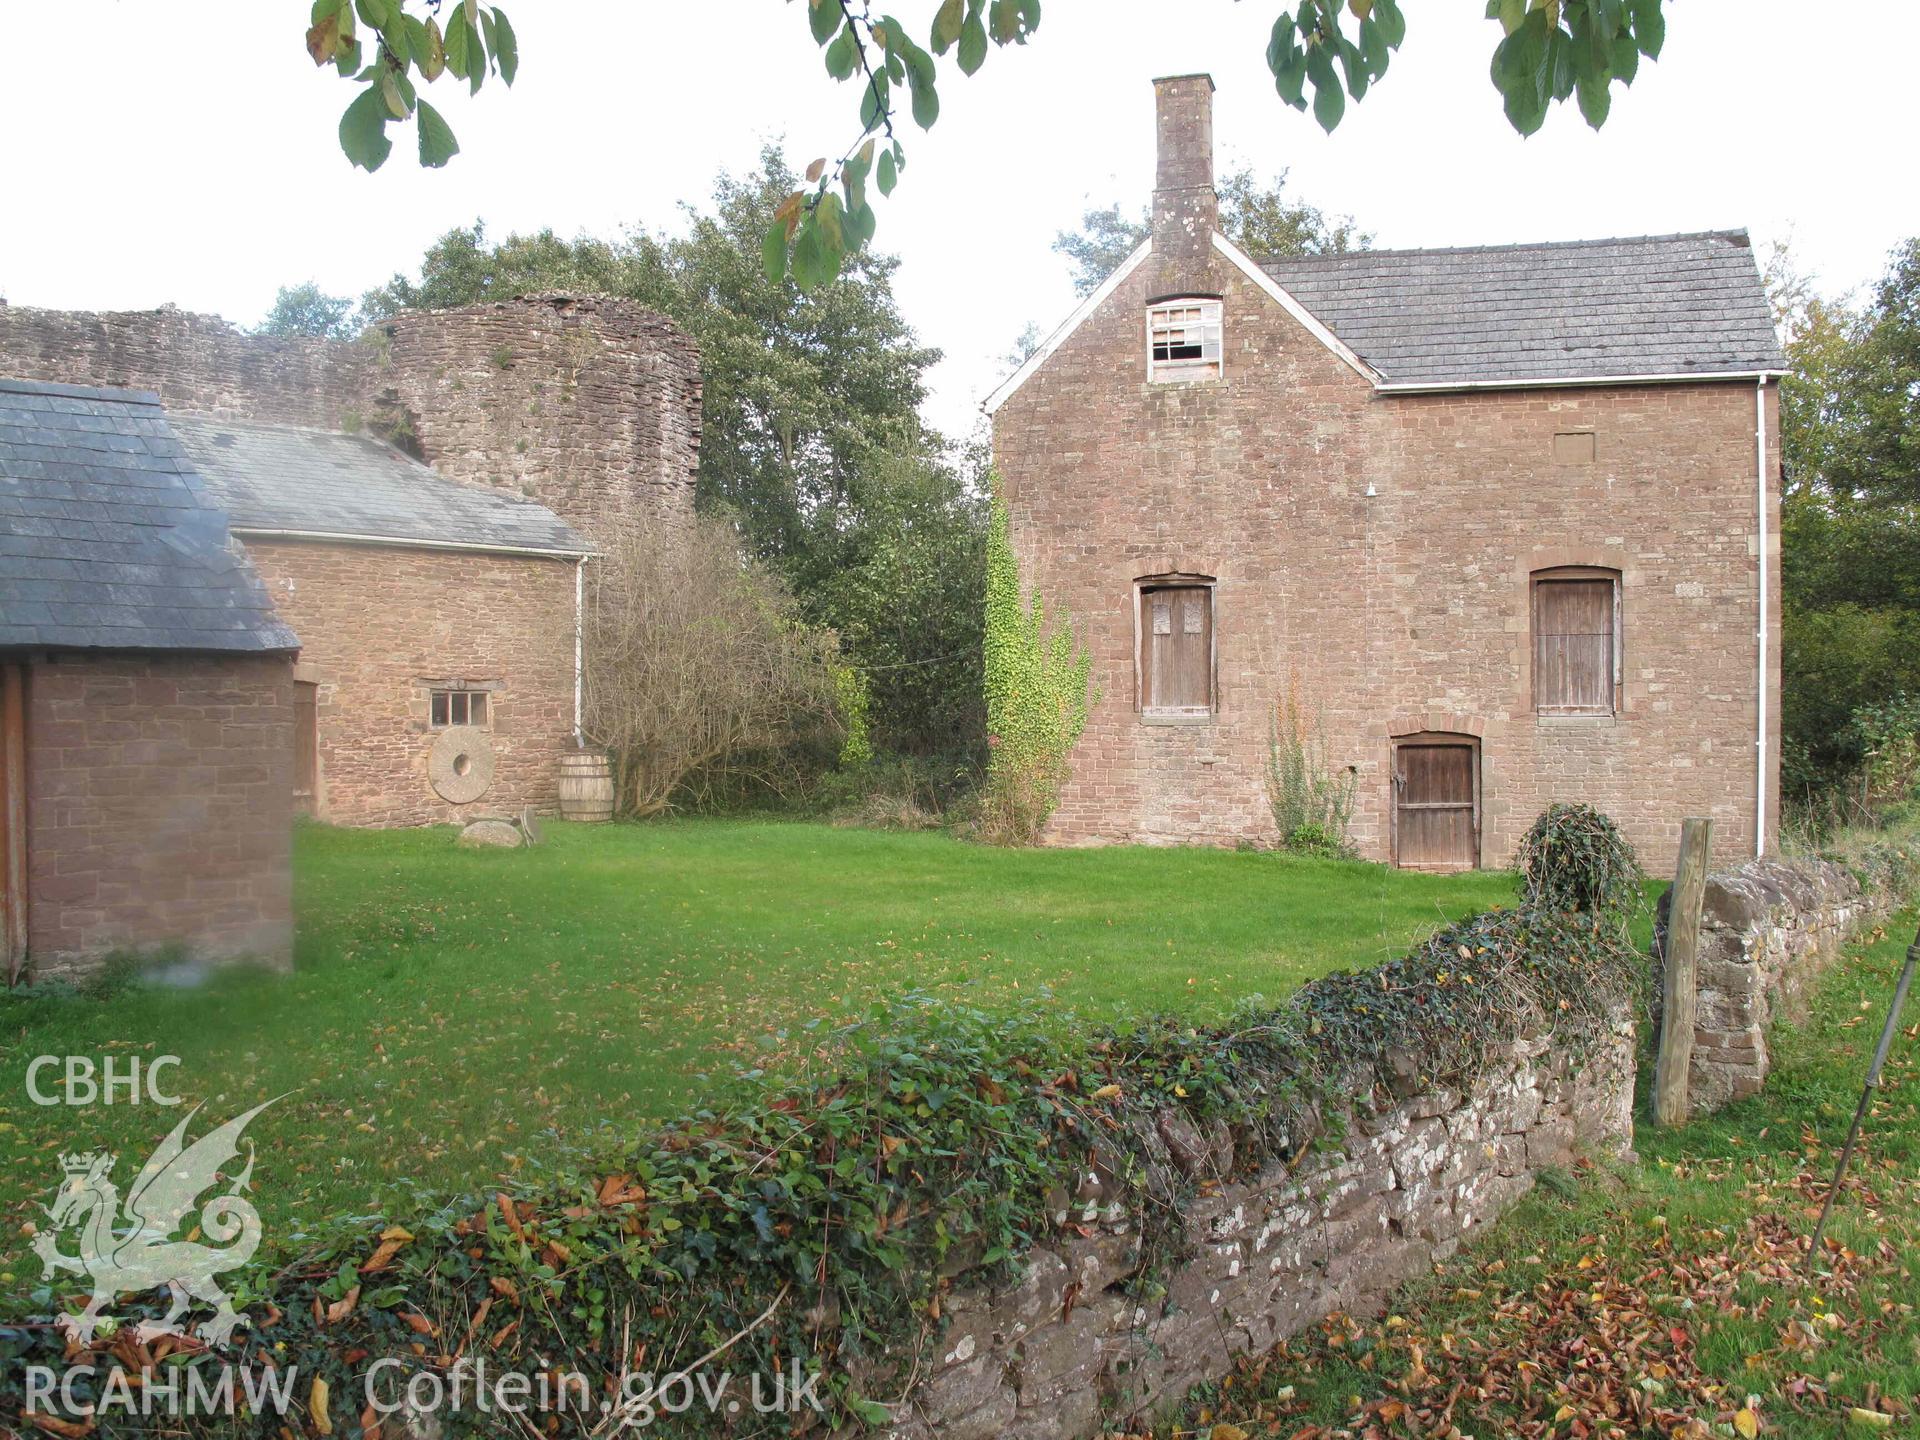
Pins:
x: 319, y: 482
x: 107, y: 538
x: 1657, y: 305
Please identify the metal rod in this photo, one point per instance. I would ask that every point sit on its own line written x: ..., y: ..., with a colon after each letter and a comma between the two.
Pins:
x: 1866, y: 1096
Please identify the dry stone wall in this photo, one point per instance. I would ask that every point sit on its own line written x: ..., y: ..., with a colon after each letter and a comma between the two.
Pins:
x: 198, y: 363
x: 1767, y: 928
x: 1085, y: 1339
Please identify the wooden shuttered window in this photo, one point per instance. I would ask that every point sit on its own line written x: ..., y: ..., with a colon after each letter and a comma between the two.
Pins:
x: 1576, y: 642
x: 1176, y: 650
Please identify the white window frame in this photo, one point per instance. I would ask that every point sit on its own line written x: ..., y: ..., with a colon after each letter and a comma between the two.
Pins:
x: 1171, y: 317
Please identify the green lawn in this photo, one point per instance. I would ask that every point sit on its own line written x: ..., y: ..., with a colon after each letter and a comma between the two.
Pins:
x: 456, y: 1013
x: 1666, y: 1298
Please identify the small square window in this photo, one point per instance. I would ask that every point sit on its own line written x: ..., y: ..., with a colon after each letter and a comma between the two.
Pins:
x: 458, y: 707
x: 1183, y: 339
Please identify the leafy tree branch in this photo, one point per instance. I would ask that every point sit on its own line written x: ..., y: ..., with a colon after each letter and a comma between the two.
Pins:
x: 1549, y: 51
x: 475, y: 41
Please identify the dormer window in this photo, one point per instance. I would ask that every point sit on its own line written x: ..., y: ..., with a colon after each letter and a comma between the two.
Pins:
x: 1183, y: 340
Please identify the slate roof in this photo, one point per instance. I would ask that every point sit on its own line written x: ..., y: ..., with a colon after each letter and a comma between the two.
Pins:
x: 107, y: 538
x: 1571, y: 310
x: 281, y: 477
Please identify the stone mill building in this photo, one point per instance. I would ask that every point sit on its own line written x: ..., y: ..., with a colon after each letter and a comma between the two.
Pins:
x: 1504, y: 518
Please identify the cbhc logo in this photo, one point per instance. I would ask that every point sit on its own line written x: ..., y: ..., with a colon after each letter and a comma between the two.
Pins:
x: 127, y: 1077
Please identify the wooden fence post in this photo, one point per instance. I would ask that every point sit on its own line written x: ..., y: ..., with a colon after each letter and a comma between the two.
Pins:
x: 1680, y: 975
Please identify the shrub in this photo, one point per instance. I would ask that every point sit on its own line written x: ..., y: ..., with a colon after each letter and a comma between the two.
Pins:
x: 1575, y: 859
x: 1889, y: 742
x: 1039, y: 692
x: 1312, y: 801
x: 696, y: 661
x: 887, y: 810
x: 1884, y: 857
x: 1309, y: 838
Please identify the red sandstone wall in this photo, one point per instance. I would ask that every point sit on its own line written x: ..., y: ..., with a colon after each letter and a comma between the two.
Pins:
x: 1404, y: 611
x: 159, y: 808
x: 590, y: 404
x: 379, y: 623
x: 193, y: 362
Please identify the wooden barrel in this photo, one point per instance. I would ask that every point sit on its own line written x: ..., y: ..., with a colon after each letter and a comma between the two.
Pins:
x: 586, y: 787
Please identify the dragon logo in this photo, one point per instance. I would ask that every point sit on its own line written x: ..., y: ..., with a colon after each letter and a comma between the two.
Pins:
x: 138, y: 1251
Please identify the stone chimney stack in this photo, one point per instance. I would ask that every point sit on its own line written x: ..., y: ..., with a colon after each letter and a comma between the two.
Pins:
x: 1185, y: 209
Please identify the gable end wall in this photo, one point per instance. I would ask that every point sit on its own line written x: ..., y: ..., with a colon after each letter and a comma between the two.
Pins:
x: 380, y: 624
x: 1401, y: 611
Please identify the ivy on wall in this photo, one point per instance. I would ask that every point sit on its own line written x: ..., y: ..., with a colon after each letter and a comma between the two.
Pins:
x: 823, y: 1219
x: 1039, y: 691
x: 853, y: 698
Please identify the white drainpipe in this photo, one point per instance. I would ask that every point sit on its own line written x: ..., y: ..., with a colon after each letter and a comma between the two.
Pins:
x: 579, y: 647
x: 1760, y: 734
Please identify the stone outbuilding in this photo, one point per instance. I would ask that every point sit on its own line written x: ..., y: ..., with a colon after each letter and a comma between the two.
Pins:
x: 146, y: 698
x: 1505, y: 519
x: 436, y: 618
x: 420, y: 503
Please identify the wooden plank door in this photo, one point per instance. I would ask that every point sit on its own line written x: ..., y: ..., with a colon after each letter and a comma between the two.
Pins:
x: 1436, y: 786
x: 13, y: 822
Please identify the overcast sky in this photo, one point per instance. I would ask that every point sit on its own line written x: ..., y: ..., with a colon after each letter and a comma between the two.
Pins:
x: 159, y: 152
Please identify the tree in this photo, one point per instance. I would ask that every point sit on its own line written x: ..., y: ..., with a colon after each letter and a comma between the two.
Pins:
x: 908, y: 601
x: 1878, y: 409
x: 1260, y: 219
x: 697, y: 660
x: 812, y: 444
x: 462, y: 268
x: 1549, y: 51
x: 1850, y: 515
x: 474, y: 41
x: 1024, y: 346
x: 801, y: 390
x: 1817, y: 334
x: 306, y: 310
